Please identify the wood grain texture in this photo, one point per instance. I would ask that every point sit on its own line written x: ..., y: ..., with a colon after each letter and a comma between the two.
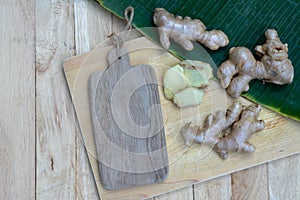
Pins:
x: 92, y: 25
x: 284, y: 178
x: 184, y: 193
x: 187, y: 165
x: 250, y: 183
x: 17, y: 89
x: 85, y: 182
x: 219, y: 188
x: 126, y: 114
x: 56, y: 124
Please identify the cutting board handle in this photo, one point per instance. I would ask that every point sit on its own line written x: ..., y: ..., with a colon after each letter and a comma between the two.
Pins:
x: 118, y: 54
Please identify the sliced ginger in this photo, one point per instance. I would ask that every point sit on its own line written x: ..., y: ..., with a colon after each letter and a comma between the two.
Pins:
x: 183, y: 83
x: 174, y: 81
x: 189, y: 96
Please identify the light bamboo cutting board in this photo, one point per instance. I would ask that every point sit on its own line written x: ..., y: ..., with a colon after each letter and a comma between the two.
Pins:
x: 187, y: 165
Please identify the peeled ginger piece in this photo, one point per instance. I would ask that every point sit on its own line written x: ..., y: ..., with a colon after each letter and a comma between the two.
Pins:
x: 182, y: 82
x: 174, y: 81
x: 188, y: 97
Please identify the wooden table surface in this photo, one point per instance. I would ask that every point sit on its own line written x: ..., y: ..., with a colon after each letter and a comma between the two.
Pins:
x: 41, y: 155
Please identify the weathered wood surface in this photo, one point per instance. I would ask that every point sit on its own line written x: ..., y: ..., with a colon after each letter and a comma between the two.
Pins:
x: 184, y: 193
x: 55, y: 117
x: 17, y: 88
x: 284, y: 178
x: 18, y: 181
x: 88, y: 17
x: 219, y: 188
x: 250, y: 183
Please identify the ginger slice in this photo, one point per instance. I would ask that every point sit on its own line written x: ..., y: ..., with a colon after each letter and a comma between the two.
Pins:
x: 183, y: 82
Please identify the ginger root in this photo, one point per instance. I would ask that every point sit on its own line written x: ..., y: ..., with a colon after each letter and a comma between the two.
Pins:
x: 273, y: 65
x: 241, y: 131
x: 183, y: 82
x: 213, y: 126
x: 184, y: 31
x: 242, y: 121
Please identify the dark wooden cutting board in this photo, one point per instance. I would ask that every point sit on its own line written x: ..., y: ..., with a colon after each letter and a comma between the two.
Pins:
x: 127, y: 124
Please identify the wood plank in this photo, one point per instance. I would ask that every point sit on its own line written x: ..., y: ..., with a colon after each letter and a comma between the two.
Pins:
x: 219, y: 188
x: 188, y: 165
x: 56, y: 124
x: 184, y: 193
x: 92, y: 24
x: 284, y: 178
x: 85, y: 182
x: 250, y: 183
x: 17, y: 98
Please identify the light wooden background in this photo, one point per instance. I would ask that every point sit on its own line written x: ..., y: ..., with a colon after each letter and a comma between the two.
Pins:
x: 41, y: 156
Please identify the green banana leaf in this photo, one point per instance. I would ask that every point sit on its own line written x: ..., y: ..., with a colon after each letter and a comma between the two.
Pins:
x: 244, y: 22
